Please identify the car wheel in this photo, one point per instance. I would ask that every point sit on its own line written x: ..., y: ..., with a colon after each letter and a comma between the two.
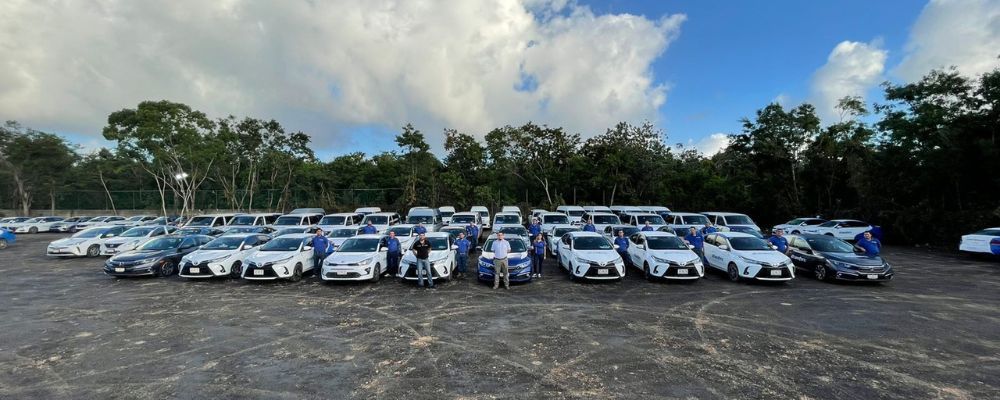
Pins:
x: 236, y: 270
x: 378, y: 273
x: 829, y: 234
x: 297, y: 274
x: 3, y: 244
x: 33, y: 230
x: 734, y: 273
x: 795, y: 232
x: 820, y: 272
x: 94, y: 250
x: 647, y: 272
x: 166, y: 269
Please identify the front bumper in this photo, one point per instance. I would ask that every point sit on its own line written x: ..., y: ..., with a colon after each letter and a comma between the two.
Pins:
x: 267, y: 272
x: 202, y: 270
x: 864, y: 274
x: 72, y: 251
x: 131, y: 270
x: 769, y: 273
x: 518, y: 273
x: 408, y: 271
x: 687, y: 271
x: 594, y: 271
x: 347, y: 272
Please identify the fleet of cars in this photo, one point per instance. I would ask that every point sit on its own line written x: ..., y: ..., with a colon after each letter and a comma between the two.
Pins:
x: 133, y: 238
x: 846, y: 229
x: 223, y: 256
x: 37, y: 224
x: 157, y: 257
x: 85, y: 243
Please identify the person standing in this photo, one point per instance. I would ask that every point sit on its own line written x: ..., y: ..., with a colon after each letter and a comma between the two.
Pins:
x: 647, y: 227
x: 422, y: 250
x: 319, y: 244
x: 709, y: 228
x: 462, y: 253
x: 394, y: 252
x: 537, y: 255
x: 369, y: 229
x: 472, y: 232
x: 420, y: 229
x: 697, y: 241
x: 869, y: 244
x: 589, y: 227
x: 622, y: 242
x: 535, y: 228
x: 779, y: 241
x: 500, y: 249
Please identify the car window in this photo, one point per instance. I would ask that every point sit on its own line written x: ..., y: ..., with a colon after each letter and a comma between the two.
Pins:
x: 591, y: 243
x: 652, y: 219
x: 666, y: 243
x: 636, y: 238
x: 828, y: 224
x: 988, y: 232
x: 358, y: 245
x: 334, y: 220
x: 749, y: 243
x: 606, y: 219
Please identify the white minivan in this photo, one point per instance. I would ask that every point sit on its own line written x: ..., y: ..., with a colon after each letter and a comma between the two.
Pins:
x: 575, y: 213
x: 484, y: 215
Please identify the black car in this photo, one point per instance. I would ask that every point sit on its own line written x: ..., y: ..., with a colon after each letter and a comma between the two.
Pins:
x: 200, y: 230
x: 830, y: 258
x: 157, y: 257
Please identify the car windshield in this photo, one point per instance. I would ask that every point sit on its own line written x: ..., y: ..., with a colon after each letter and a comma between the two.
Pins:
x: 90, y: 233
x: 453, y: 233
x: 463, y: 219
x: 162, y: 243
x: 828, y: 224
x: 629, y: 230
x: 289, y: 220
x: 562, y: 231
x: 652, y: 219
x: 437, y: 243
x: 201, y: 221
x: 830, y: 245
x: 137, y: 232
x: 342, y: 233
x: 446, y: 213
x: 749, y: 243
x: 136, y: 218
x: 242, y: 229
x: 606, y: 219
x: 988, y: 232
x: 514, y: 230
x: 749, y: 231
x: 516, y: 246
x: 484, y: 214
x: 358, y: 245
x: 665, y: 243
x: 224, y: 243
x: 574, y: 213
x: 288, y: 231
x: 243, y: 220
x: 417, y: 219
x: 377, y: 220
x: 738, y: 220
x: 508, y: 219
x: 591, y: 243
x: 333, y: 220
x: 555, y: 219
x: 282, y: 244
x: 401, y: 230
x: 795, y: 221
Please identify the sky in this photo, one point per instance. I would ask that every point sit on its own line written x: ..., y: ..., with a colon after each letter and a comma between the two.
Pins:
x: 351, y: 73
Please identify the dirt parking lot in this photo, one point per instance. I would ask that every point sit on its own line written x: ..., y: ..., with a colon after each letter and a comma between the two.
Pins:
x: 68, y: 331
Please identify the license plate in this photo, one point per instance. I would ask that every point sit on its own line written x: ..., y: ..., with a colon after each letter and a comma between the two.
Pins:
x: 872, y: 276
x: 112, y: 251
x: 602, y: 271
x: 340, y: 272
x: 258, y: 272
x: 195, y: 270
x: 776, y: 272
x: 682, y: 272
x: 119, y: 269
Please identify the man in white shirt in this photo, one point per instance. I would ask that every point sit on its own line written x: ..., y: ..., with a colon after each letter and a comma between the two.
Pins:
x: 500, y: 250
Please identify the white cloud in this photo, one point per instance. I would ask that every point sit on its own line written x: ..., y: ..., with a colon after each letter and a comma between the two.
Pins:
x: 960, y: 33
x: 851, y: 70
x: 711, y: 144
x: 326, y: 66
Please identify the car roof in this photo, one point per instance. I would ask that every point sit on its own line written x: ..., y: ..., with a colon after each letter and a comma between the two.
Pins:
x: 683, y: 214
x: 570, y: 207
x: 722, y: 213
x: 472, y: 213
x: 583, y: 233
x: 643, y: 214
x: 731, y: 234
x: 343, y: 214
x: 552, y: 213
x: 846, y: 220
x: 602, y: 213
x: 298, y: 235
x: 656, y: 233
x: 476, y: 208
x: 411, y: 226
x: 368, y: 236
x: 446, y: 208
x: 507, y: 213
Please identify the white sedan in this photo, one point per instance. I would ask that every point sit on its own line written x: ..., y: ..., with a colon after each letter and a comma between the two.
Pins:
x: 360, y: 258
x: 133, y: 238
x: 223, y: 256
x: 843, y: 229
x: 36, y: 225
x: 589, y: 255
x: 442, y: 258
x: 986, y: 241
x: 744, y: 256
x: 796, y: 225
x: 555, y: 233
x: 84, y: 243
x: 664, y: 255
x: 284, y: 257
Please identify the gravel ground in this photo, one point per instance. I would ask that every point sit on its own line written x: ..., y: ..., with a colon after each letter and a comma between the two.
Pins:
x: 68, y: 331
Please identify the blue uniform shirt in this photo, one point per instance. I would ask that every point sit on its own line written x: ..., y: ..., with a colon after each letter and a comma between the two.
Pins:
x: 463, y: 246
x: 590, y: 228
x: 871, y: 247
x: 392, y: 245
x: 319, y: 244
x: 471, y: 231
x: 419, y: 229
x: 539, y: 246
x: 780, y: 242
x: 622, y: 243
x: 647, y: 228
x: 696, y: 240
x: 709, y: 229
x: 535, y: 230
x: 369, y: 230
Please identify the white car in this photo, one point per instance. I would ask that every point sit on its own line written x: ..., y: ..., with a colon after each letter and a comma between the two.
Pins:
x: 986, y: 241
x: 446, y: 212
x: 797, y: 225
x: 427, y: 216
x: 664, y: 255
x: 681, y: 222
x: 99, y: 221
x: 734, y: 221
x: 575, y: 213
x: 511, y: 209
x: 502, y: 219
x: 442, y: 258
x: 381, y: 221
x: 464, y: 218
x: 367, y: 210
x: 553, y: 235
x: 744, y: 256
x: 285, y: 257
x: 210, y: 220
x: 484, y: 215
x: 658, y: 210
x: 550, y: 220
x: 38, y: 224
x: 11, y: 223
x: 337, y: 236
x: 360, y: 258
x: 597, y: 209
x: 296, y: 220
x: 589, y: 255
x: 136, y: 220
x: 223, y: 256
x: 620, y: 211
x: 133, y: 238
x: 640, y: 219
x: 601, y: 219
x: 340, y: 220
x: 843, y: 229
x: 404, y: 233
x: 86, y: 243
x: 259, y: 219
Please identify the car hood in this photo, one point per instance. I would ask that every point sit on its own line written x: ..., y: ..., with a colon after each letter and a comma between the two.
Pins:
x: 767, y: 256
x: 198, y: 256
x: 853, y: 258
x: 123, y: 240
x: 488, y: 256
x: 347, y: 258
x: 68, y: 242
x: 678, y: 256
x: 598, y: 256
x: 435, y: 255
x: 136, y: 255
x: 261, y: 257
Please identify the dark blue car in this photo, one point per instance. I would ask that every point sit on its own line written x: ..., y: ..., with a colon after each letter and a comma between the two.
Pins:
x: 829, y: 258
x: 518, y: 260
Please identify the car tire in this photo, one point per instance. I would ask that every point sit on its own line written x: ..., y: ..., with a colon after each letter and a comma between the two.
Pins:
x: 236, y: 270
x: 33, y: 230
x: 820, y: 272
x: 166, y: 269
x: 94, y: 250
x: 377, y: 275
x: 733, y: 272
x: 795, y: 232
x: 647, y: 272
x: 296, y: 274
x: 829, y: 234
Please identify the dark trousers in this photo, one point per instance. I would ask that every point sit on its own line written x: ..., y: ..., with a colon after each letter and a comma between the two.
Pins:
x: 460, y: 261
x: 393, y: 260
x: 318, y: 263
x: 624, y: 256
x: 536, y: 263
x: 701, y: 254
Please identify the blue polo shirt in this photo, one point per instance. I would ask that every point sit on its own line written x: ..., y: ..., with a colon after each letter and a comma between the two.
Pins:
x: 463, y: 245
x: 319, y: 244
x: 539, y: 247
x: 392, y: 245
x: 710, y: 229
x: 590, y: 228
x: 647, y: 228
x: 471, y: 231
x: 872, y: 247
x: 696, y: 240
x: 780, y: 242
x: 535, y: 230
x: 622, y: 243
x: 369, y: 230
x: 419, y: 229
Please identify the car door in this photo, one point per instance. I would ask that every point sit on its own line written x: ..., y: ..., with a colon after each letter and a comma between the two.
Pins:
x: 801, y: 254
x: 637, y: 249
x: 712, y: 251
x: 564, y: 250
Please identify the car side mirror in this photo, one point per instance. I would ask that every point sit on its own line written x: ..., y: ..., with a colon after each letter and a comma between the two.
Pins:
x: 247, y: 247
x: 454, y: 247
x: 616, y: 246
x: 691, y: 246
x: 307, y: 248
x: 773, y: 247
x: 384, y: 249
x: 641, y: 246
x: 724, y: 247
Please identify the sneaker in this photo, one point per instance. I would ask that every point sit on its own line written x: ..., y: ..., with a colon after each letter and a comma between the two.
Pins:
x: 496, y: 287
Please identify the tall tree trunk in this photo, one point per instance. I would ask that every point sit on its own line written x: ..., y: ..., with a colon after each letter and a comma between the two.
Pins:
x: 111, y: 200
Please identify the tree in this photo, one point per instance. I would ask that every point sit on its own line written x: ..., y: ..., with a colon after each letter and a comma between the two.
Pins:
x: 36, y: 162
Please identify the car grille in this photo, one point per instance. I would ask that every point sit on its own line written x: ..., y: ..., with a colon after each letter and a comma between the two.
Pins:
x: 612, y: 271
x: 112, y: 245
x: 268, y: 271
x: 203, y: 269
x: 411, y: 272
x: 348, y: 275
x: 765, y: 273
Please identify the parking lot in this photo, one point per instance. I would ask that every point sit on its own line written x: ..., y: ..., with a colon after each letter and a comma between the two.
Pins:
x: 68, y: 331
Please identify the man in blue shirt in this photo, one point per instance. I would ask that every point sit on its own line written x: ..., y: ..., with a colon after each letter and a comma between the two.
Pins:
x: 709, y: 228
x: 369, y: 229
x: 622, y: 242
x: 590, y: 226
x: 319, y: 244
x: 462, y: 254
x: 869, y: 245
x: 697, y: 240
x: 779, y: 241
x: 394, y: 253
x: 420, y: 228
x: 472, y: 233
x: 535, y: 228
x: 647, y: 227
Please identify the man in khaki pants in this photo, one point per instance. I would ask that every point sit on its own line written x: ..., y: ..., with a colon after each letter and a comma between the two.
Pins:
x: 500, y: 250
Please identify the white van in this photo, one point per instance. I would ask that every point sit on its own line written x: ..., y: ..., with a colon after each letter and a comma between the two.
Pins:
x: 575, y: 213
x: 484, y: 215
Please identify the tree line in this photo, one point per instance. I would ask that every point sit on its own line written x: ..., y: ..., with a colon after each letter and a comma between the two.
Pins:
x: 924, y: 164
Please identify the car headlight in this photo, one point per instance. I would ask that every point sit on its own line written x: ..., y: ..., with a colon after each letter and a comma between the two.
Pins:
x: 276, y: 262
x: 525, y: 263
x: 747, y: 260
x: 661, y: 260
x: 149, y: 260
x: 582, y: 260
x: 366, y: 261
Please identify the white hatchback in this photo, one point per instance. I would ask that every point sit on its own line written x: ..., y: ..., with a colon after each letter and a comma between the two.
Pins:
x: 284, y: 257
x: 360, y: 258
x: 664, y: 255
x: 442, y: 258
x: 589, y: 255
x: 744, y: 256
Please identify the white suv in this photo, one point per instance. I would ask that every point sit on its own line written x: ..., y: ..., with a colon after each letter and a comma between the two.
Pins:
x: 744, y: 256
x: 502, y: 219
x: 381, y: 221
x: 360, y: 258
x: 589, y: 255
x: 664, y: 255
x: 484, y: 215
x: 640, y: 220
x: 340, y: 220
